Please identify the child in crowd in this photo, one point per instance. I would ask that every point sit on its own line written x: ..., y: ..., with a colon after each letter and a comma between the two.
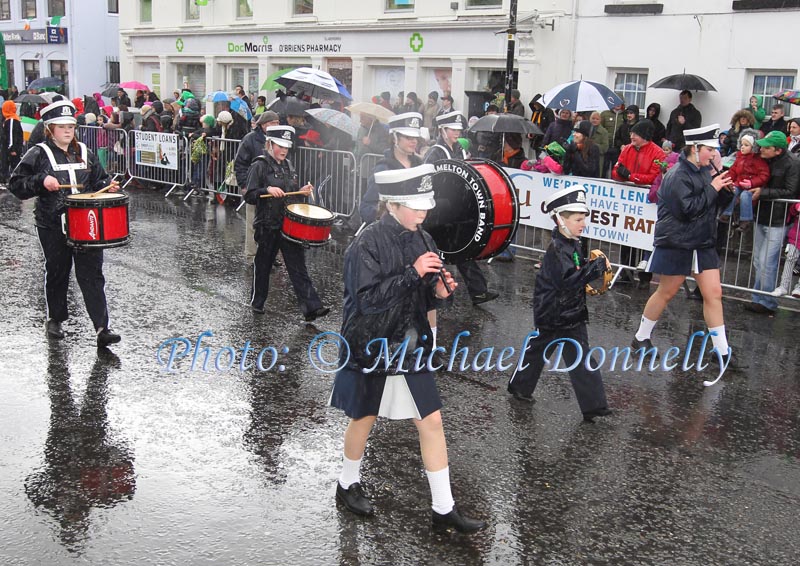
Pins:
x: 792, y: 253
x: 559, y: 306
x: 747, y: 172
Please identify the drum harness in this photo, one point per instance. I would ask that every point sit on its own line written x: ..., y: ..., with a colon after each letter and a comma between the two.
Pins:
x: 70, y: 168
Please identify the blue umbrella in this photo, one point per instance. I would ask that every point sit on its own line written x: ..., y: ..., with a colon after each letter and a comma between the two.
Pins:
x: 342, y: 89
x: 579, y: 96
x: 218, y: 96
x: 240, y: 106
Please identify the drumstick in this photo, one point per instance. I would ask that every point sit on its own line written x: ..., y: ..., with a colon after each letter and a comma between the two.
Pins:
x: 104, y: 189
x: 285, y: 194
x: 70, y: 186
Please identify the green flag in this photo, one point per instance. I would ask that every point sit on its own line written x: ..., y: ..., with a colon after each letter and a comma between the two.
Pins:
x: 201, y: 2
x: 55, y: 21
x: 3, y: 65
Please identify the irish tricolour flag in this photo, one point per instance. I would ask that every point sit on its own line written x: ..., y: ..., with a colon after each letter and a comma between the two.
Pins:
x: 28, y: 124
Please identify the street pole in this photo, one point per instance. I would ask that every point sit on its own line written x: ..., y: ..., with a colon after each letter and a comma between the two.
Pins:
x: 512, y: 32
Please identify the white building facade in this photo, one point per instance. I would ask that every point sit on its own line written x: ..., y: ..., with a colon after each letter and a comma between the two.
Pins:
x: 408, y: 45
x: 74, y: 40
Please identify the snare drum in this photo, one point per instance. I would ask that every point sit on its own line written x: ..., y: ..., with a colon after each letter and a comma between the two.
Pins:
x: 97, y: 221
x: 476, y: 213
x: 307, y: 224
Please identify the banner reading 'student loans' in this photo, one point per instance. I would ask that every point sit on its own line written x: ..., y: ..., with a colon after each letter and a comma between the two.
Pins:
x: 157, y: 149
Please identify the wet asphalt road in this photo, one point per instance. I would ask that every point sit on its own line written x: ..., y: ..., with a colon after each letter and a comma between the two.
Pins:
x: 110, y: 459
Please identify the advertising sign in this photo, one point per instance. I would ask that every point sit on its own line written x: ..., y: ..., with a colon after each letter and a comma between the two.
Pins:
x: 157, y: 149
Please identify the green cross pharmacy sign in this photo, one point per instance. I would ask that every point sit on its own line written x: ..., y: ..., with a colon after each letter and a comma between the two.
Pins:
x: 416, y: 42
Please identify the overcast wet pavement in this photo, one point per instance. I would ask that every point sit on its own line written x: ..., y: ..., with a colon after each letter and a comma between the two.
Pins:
x: 110, y: 459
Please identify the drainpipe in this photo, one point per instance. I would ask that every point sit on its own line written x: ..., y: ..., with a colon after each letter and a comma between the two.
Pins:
x: 574, y: 39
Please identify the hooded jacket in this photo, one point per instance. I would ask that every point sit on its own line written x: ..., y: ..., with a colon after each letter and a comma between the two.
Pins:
x: 252, y: 146
x: 384, y: 296
x: 265, y: 171
x: 693, y: 119
x: 660, y: 131
x: 750, y: 166
x: 559, y: 294
x: 641, y: 163
x: 731, y: 143
x: 623, y: 135
x: 541, y: 115
x: 784, y: 183
x: 12, y: 130
x: 687, y: 208
x: 560, y: 130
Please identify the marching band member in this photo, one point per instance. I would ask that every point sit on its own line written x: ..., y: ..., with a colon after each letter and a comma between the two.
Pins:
x: 392, y: 276
x: 49, y: 172
x: 272, y: 173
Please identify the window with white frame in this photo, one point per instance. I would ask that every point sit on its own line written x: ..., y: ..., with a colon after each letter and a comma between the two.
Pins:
x: 632, y: 87
x: 56, y: 8
x: 399, y: 5
x: 244, y: 8
x: 5, y: 9
x: 113, y: 6
x: 28, y: 9
x: 192, y: 11
x: 765, y: 85
x: 302, y: 7
x: 484, y: 3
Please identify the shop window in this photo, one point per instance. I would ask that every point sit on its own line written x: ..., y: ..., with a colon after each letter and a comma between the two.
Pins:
x: 5, y: 9
x: 56, y: 8
x: 113, y: 71
x: 60, y: 70
x: 767, y: 85
x: 484, y: 3
x: 399, y: 5
x: 31, y: 69
x: 146, y: 11
x: 28, y: 9
x: 244, y: 9
x: 303, y: 7
x: 10, y: 70
x: 632, y: 88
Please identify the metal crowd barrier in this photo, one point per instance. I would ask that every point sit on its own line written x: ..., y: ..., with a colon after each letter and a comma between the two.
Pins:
x: 110, y: 146
x: 213, y: 171
x: 333, y: 174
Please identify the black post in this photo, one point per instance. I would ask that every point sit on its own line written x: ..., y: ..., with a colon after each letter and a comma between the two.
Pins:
x: 512, y: 32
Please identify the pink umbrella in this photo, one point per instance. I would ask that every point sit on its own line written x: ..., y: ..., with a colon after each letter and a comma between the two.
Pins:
x: 136, y: 85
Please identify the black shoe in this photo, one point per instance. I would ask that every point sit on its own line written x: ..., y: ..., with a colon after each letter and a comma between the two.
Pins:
x: 519, y: 396
x: 106, y: 337
x: 589, y: 416
x: 354, y: 499
x: 758, y: 308
x: 458, y: 521
x: 54, y: 330
x: 257, y: 310
x: 484, y: 297
x: 729, y: 361
x: 638, y: 344
x: 504, y: 258
x: 315, y: 314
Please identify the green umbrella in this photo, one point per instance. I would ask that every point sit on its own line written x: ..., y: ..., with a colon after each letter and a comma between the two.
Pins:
x: 270, y: 83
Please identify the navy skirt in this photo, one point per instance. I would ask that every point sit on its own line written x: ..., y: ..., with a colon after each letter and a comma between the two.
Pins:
x: 674, y: 261
x: 366, y: 394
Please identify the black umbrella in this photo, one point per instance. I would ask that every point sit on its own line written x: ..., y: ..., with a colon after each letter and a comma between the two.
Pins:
x: 289, y: 106
x: 46, y: 82
x: 110, y: 90
x: 30, y: 99
x: 683, y: 82
x: 506, y: 124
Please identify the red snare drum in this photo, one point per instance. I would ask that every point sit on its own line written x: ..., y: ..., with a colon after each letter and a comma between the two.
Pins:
x: 97, y: 221
x: 307, y: 224
x: 476, y: 213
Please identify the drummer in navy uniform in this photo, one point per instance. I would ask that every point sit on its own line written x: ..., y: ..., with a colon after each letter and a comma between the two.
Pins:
x: 62, y: 160
x: 392, y: 276
x: 273, y: 174
x: 451, y: 126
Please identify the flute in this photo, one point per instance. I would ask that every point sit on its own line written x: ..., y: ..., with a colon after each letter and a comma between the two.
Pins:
x: 441, y: 269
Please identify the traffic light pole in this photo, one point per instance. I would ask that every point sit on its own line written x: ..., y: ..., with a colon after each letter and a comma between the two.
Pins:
x: 512, y: 32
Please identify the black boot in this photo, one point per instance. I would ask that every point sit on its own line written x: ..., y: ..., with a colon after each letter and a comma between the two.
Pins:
x: 589, y: 416
x: 519, y: 396
x: 54, y: 330
x: 354, y: 499
x: 106, y: 337
x: 457, y: 521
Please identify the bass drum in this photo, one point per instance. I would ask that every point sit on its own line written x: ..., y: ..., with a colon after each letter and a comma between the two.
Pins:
x: 477, y: 210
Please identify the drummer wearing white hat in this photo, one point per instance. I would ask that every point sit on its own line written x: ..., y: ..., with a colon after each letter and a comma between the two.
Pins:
x: 49, y: 172
x: 273, y: 174
x: 392, y: 276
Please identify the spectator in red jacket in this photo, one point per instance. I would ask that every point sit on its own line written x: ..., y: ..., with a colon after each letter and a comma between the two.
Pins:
x: 748, y: 172
x: 638, y: 162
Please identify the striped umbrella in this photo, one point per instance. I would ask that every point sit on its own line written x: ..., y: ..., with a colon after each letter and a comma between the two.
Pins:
x: 579, y: 96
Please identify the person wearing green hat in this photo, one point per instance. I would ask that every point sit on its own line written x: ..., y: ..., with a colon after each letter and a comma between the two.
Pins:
x: 769, y: 230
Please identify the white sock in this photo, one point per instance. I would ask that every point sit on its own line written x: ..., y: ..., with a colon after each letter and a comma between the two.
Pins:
x: 433, y: 335
x: 645, y: 328
x: 351, y: 472
x: 720, y: 341
x: 441, y: 496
